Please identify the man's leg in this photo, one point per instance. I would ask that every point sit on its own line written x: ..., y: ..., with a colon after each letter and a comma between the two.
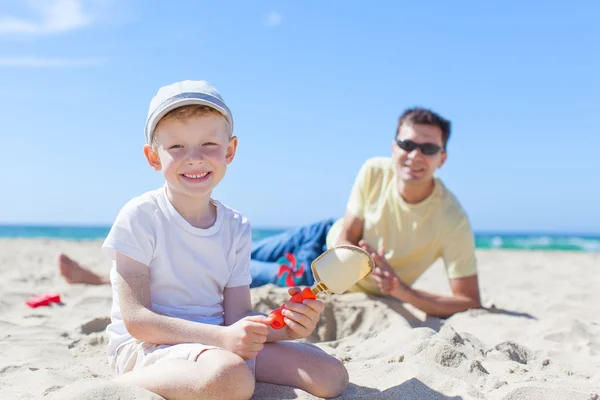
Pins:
x: 263, y: 272
x: 303, y: 366
x: 306, y: 243
x: 73, y: 272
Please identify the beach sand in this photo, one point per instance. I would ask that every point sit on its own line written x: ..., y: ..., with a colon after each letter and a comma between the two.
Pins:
x: 541, y: 340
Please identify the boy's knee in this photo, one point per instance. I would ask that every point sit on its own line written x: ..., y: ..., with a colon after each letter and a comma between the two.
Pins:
x: 334, y: 378
x: 240, y: 380
x: 235, y: 378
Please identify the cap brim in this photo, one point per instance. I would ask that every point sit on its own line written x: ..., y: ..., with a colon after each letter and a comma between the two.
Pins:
x: 185, y: 99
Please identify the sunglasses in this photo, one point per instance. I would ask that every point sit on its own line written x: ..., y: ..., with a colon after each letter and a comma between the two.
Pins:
x: 428, y: 149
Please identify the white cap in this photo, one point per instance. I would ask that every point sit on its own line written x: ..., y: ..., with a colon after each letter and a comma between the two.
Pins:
x: 180, y: 94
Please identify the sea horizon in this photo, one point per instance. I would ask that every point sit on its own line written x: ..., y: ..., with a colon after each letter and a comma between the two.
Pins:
x: 484, y: 239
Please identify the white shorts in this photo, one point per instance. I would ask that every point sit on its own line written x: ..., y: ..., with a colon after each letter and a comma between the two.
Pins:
x: 134, y: 355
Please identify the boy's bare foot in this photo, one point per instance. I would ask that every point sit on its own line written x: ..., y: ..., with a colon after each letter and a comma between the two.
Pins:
x: 75, y: 273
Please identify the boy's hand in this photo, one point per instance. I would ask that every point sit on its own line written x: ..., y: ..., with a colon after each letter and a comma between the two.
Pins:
x: 301, y: 318
x: 247, y: 336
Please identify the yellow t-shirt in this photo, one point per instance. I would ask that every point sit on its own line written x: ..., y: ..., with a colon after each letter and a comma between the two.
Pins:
x: 413, y: 236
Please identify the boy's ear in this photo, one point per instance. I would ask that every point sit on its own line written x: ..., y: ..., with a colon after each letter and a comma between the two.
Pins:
x: 152, y: 157
x: 231, y: 148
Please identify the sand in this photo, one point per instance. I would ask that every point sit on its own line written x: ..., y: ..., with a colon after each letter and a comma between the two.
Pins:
x: 539, y: 339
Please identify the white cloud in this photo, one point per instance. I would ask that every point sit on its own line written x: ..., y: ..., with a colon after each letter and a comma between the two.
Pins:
x: 47, y: 62
x: 48, y: 17
x: 274, y: 19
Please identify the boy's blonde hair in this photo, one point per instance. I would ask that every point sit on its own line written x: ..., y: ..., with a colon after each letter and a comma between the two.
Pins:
x: 185, y: 113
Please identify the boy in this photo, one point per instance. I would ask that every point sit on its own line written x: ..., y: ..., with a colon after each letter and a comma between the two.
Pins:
x: 182, y: 323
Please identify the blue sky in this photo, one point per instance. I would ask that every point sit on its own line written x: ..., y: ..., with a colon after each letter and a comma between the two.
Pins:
x: 316, y: 88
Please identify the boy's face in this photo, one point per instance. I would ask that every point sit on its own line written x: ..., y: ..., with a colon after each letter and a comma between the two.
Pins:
x: 193, y: 155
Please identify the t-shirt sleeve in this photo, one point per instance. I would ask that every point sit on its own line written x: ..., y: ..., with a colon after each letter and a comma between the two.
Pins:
x: 358, y: 194
x: 459, y: 250
x: 132, y: 234
x: 240, y: 274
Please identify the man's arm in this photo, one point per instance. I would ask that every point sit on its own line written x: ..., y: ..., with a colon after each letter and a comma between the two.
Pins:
x: 465, y: 290
x: 458, y: 253
x: 466, y: 296
x: 352, y: 227
x: 133, y: 283
x: 352, y: 230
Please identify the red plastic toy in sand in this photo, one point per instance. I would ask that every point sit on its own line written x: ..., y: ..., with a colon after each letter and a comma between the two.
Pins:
x: 44, y: 300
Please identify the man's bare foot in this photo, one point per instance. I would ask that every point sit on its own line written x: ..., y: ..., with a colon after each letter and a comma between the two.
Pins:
x: 75, y: 273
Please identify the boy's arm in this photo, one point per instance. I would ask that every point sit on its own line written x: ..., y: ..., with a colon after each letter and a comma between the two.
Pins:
x: 133, y: 285
x: 237, y: 304
x: 303, y: 317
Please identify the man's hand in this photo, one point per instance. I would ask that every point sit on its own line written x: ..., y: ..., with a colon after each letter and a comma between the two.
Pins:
x: 386, y: 281
x: 383, y: 274
x: 247, y: 336
x: 301, y: 318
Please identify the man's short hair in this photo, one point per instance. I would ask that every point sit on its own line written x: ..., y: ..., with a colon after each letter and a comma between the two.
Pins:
x: 425, y: 116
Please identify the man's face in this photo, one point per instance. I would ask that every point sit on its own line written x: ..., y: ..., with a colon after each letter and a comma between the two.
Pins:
x: 412, y: 165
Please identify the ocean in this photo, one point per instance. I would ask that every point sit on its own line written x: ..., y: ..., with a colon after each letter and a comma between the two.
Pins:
x: 513, y: 241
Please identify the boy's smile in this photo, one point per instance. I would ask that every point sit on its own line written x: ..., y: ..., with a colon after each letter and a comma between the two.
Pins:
x: 197, y: 177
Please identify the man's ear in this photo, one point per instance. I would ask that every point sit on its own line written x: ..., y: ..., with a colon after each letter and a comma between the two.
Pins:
x: 152, y: 157
x: 443, y: 159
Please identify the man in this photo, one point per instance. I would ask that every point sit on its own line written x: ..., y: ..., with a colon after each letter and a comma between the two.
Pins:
x: 402, y: 214
x: 398, y: 210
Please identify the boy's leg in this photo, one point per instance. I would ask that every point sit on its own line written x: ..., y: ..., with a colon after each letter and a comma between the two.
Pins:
x: 306, y: 243
x: 216, y: 374
x: 303, y: 366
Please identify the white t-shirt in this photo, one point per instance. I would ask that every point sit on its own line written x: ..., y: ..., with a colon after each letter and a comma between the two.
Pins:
x: 189, y: 267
